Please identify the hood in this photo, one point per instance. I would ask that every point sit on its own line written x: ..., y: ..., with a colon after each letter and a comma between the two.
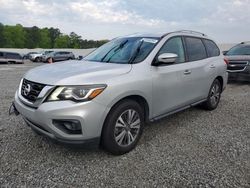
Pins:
x: 76, y: 73
x: 238, y: 58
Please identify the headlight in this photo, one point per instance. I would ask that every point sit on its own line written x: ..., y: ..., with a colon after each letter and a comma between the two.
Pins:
x: 76, y: 93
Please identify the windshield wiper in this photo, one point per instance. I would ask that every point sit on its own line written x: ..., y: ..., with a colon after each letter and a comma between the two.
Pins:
x: 136, y: 53
x: 118, y: 48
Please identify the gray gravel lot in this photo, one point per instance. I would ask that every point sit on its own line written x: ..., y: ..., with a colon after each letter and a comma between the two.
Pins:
x: 194, y: 148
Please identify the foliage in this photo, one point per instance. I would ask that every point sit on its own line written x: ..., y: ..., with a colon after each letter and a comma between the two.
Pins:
x: 33, y: 37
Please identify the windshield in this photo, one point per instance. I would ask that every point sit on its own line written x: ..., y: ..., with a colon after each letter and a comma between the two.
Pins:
x: 123, y: 50
x: 239, y: 50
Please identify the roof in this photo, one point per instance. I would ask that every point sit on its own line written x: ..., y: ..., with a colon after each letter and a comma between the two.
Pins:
x: 161, y: 35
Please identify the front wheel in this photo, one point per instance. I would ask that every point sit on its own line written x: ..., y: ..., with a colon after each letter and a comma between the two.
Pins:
x: 214, y: 95
x: 123, y: 127
x: 37, y: 59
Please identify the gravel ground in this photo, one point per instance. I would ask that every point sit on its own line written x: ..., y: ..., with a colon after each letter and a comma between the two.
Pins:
x: 194, y: 148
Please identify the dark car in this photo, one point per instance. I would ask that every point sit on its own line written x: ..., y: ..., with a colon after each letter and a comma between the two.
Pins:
x: 239, y: 62
x: 10, y: 57
x: 58, y: 56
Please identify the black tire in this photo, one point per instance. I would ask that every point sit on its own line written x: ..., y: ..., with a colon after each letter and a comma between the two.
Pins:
x: 36, y: 132
x: 214, y: 95
x: 37, y: 59
x: 110, y: 128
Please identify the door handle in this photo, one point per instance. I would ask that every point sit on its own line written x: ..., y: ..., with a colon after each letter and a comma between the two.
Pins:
x: 186, y: 72
x: 212, y: 66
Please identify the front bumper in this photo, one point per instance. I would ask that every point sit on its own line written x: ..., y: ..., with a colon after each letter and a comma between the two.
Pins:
x: 90, y: 114
x: 240, y: 75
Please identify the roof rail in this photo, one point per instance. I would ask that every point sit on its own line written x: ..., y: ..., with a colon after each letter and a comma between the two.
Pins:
x: 245, y: 42
x: 186, y: 31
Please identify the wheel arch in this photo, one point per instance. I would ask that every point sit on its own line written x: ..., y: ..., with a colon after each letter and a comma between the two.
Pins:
x: 220, y: 78
x: 142, y: 101
x: 137, y: 98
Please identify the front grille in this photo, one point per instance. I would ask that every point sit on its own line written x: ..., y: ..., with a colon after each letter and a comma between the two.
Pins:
x: 31, y: 90
x: 237, y: 65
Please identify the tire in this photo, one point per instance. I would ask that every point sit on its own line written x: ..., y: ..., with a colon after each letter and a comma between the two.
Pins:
x: 120, y: 133
x: 36, y: 132
x: 214, y: 95
x: 37, y: 59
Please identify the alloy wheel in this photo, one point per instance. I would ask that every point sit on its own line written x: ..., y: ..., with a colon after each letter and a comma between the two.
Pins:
x: 215, y: 94
x: 127, y: 127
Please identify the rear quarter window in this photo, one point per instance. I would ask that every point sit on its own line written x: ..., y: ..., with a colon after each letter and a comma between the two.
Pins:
x: 195, y: 49
x: 212, y: 48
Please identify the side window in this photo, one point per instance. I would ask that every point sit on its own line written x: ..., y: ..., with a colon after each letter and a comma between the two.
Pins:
x: 1, y: 54
x: 212, y: 48
x: 195, y: 49
x: 174, y: 45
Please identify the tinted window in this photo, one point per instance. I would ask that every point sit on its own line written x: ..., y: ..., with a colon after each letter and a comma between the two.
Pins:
x: 212, y: 48
x: 239, y: 50
x: 13, y: 56
x: 174, y: 45
x: 195, y: 49
x: 1, y: 54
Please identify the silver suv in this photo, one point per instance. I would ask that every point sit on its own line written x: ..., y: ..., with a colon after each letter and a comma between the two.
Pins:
x: 37, y: 57
x: 107, y: 98
x: 58, y: 56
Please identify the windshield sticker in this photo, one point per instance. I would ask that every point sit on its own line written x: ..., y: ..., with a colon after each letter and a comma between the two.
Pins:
x: 149, y: 40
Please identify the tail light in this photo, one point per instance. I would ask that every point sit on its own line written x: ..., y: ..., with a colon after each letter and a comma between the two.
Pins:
x: 226, y: 61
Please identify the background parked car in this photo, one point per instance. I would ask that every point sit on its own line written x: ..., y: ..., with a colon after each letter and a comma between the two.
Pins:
x: 58, y: 56
x: 37, y: 57
x: 28, y: 55
x: 239, y: 62
x: 10, y: 57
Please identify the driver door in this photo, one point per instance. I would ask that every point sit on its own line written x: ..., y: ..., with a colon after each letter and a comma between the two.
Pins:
x: 170, y: 81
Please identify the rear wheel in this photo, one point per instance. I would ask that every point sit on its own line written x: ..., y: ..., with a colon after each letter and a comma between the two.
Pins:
x: 123, y: 127
x: 214, y: 95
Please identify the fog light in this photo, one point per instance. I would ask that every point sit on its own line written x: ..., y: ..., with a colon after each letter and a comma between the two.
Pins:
x: 68, y: 126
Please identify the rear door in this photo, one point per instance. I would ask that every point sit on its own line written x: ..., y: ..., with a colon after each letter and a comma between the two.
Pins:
x: 63, y: 55
x: 57, y: 56
x: 202, y: 69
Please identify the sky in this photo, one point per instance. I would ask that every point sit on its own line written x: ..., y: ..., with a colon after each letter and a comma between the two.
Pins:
x: 226, y: 21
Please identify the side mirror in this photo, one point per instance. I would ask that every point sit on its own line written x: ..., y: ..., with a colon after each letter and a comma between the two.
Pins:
x: 167, y: 58
x: 224, y: 52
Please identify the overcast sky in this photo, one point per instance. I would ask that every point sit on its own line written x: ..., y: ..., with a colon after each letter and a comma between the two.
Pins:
x: 224, y: 20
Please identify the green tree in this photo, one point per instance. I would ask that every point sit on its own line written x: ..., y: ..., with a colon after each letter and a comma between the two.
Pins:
x: 14, y: 36
x: 53, y: 34
x: 45, y: 41
x: 63, y: 41
x: 2, y: 40
x: 75, y: 40
x: 33, y: 37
